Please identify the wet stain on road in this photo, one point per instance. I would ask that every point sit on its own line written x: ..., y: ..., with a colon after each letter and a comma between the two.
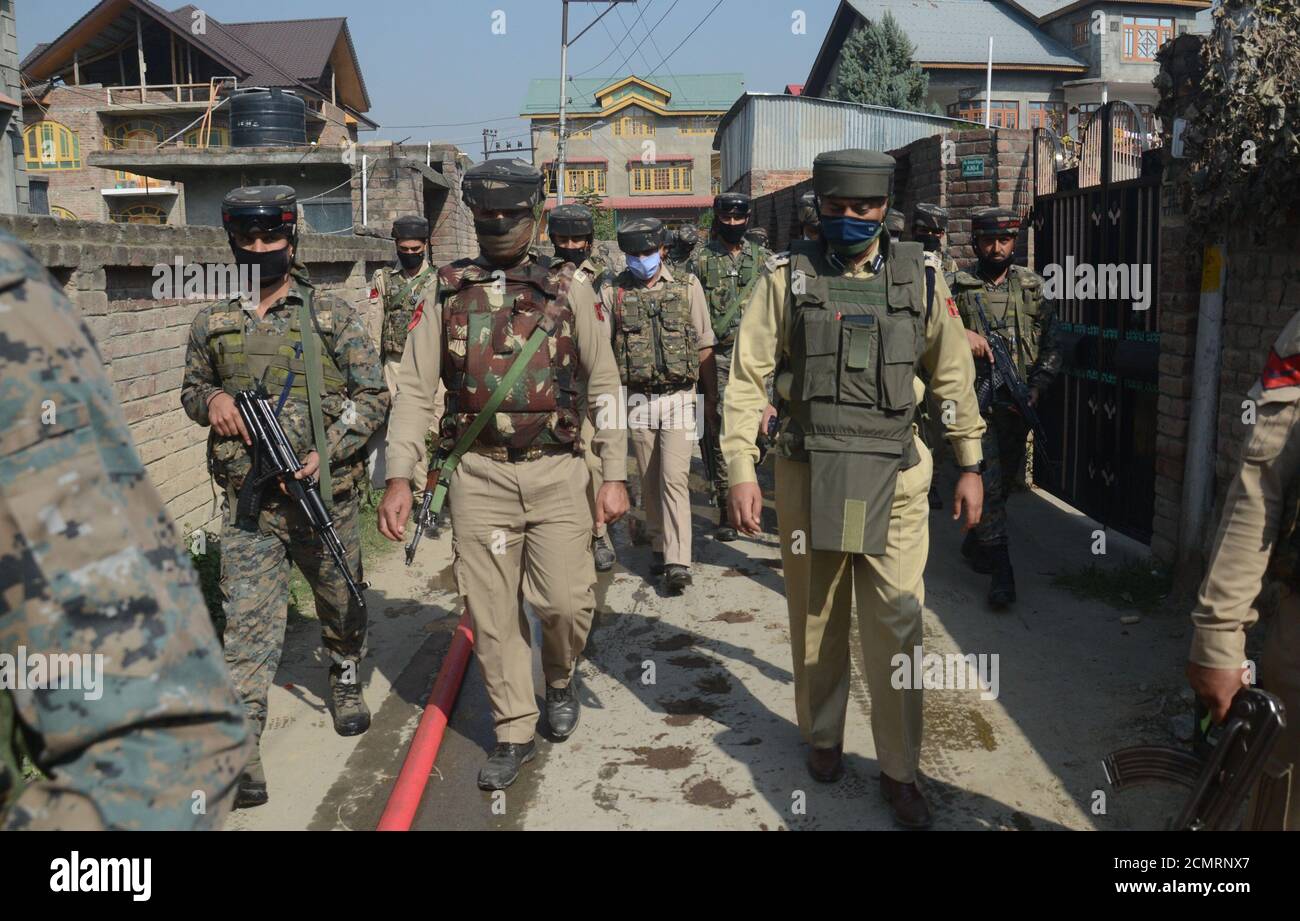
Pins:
x: 605, y: 799
x: 444, y: 581
x: 668, y: 758
x: 681, y: 719
x: 714, y: 684
x: 735, y: 617
x: 709, y: 792
x: 692, y: 661
x: 961, y: 728
x: 690, y: 706
x: 674, y: 643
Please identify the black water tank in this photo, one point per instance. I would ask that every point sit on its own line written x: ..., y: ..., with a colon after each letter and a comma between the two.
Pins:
x: 267, y: 118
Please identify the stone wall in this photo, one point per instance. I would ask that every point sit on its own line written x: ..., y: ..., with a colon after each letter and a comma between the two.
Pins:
x: 107, y: 271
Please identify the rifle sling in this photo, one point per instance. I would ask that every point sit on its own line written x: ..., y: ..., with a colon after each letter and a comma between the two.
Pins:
x: 315, y: 387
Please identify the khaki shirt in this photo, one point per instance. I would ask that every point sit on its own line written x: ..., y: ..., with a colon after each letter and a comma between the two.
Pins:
x: 704, y: 337
x: 764, y: 335
x: 421, y: 371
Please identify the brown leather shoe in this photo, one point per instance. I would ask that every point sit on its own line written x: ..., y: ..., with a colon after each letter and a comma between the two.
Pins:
x: 907, y: 802
x: 826, y: 765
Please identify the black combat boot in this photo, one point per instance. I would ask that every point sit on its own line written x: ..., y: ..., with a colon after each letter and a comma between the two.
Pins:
x: 351, y: 715
x: 562, y: 710
x: 656, y: 563
x: 252, y: 784
x: 1002, y: 588
x: 603, y: 551
x: 676, y: 578
x: 503, y: 764
x: 725, y: 532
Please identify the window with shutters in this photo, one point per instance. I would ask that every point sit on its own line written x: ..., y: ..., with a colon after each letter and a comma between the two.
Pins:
x: 50, y: 146
x: 634, y: 122
x: 661, y: 177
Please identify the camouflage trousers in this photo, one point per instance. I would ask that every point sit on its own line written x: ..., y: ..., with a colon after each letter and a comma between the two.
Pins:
x: 1004, y: 456
x: 712, y: 442
x: 255, y: 585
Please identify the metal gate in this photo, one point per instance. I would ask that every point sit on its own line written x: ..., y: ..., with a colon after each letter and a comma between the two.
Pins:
x: 1098, y: 206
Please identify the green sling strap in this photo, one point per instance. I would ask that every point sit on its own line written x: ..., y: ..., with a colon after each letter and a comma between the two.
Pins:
x: 508, y: 381
x: 410, y: 283
x: 315, y: 387
x: 11, y: 749
x: 721, y: 326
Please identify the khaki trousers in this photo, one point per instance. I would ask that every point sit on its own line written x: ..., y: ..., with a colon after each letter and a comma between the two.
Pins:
x: 595, y: 470
x: 663, y: 437
x: 522, y: 532
x: 820, y: 588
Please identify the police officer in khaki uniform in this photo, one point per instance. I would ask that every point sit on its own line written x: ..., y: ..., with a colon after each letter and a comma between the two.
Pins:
x: 572, y: 230
x: 844, y: 322
x: 396, y: 292
x: 663, y: 344
x: 1013, y: 303
x: 1258, y: 536
x: 728, y: 268
x: 522, y: 529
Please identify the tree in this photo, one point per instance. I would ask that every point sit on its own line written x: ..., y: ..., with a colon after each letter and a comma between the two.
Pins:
x: 876, y: 68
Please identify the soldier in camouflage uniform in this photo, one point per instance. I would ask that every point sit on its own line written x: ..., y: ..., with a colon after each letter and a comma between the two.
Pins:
x: 663, y: 344
x: 1258, y: 540
x: 894, y: 223
x: 396, y: 292
x: 522, y: 529
x: 1012, y: 297
x: 332, y: 409
x: 93, y: 565
x: 728, y: 268
x: 929, y: 225
x: 809, y: 216
x: 681, y: 248
x: 572, y: 230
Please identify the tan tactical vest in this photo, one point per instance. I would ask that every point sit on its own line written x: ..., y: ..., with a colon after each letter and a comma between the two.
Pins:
x: 853, y: 350
x: 480, y: 342
x: 655, y: 342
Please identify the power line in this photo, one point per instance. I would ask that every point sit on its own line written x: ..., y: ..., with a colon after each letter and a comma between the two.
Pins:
x: 655, y: 26
x: 689, y: 34
x: 480, y: 121
x: 627, y: 34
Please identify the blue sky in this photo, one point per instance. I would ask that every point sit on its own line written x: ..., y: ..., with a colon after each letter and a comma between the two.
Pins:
x: 438, y: 63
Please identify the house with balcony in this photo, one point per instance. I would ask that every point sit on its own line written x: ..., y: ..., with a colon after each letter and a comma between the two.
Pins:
x: 642, y: 145
x: 1054, y: 61
x: 126, y: 114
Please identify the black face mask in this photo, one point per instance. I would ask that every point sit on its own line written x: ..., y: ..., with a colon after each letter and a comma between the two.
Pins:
x: 929, y: 243
x: 271, y: 266
x: 732, y: 233
x: 574, y: 254
x: 410, y: 261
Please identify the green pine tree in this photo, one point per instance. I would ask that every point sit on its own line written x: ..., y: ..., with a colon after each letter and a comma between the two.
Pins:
x: 876, y: 68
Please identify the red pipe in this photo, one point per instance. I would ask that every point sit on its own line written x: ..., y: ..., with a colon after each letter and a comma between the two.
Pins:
x: 407, y: 792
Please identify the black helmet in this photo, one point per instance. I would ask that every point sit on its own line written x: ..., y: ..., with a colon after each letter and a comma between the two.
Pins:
x: 268, y: 208
x: 641, y: 234
x: 570, y: 221
x: 502, y: 185
x: 411, y: 227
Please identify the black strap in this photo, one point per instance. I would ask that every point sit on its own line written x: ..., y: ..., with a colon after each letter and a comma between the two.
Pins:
x: 929, y: 292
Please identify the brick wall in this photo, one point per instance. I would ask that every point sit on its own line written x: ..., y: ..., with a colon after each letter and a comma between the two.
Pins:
x: 107, y: 272
x: 395, y: 188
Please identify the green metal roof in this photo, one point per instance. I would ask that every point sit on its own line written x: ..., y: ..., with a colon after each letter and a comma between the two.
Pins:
x: 687, y: 92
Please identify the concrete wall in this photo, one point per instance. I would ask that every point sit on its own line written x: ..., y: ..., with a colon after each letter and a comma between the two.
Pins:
x: 107, y: 272
x: 204, y: 191
x: 14, y: 192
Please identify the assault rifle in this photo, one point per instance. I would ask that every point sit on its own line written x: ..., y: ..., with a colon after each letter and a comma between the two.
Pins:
x: 1221, y: 782
x: 1002, y: 372
x: 428, y: 514
x: 274, y: 459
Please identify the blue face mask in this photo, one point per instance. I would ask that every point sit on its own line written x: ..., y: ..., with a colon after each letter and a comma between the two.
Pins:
x: 644, y: 267
x: 849, y: 235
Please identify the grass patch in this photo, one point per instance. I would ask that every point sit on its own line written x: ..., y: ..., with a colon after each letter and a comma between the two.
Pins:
x: 301, y: 602
x: 1139, y: 585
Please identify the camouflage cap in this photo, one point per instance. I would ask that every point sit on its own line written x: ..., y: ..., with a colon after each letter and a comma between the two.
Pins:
x: 853, y: 173
x: 931, y: 218
x: 808, y: 211
x: 411, y: 227
x: 270, y: 208
x: 736, y: 203
x: 994, y: 221
x: 640, y: 235
x: 570, y: 221
x: 894, y: 222
x: 502, y: 185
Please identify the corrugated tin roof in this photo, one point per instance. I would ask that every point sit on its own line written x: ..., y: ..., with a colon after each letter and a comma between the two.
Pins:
x: 1041, y: 8
x: 687, y: 91
x: 957, y: 32
x: 302, y: 47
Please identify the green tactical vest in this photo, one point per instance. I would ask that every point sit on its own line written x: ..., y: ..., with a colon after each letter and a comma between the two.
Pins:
x: 655, y: 342
x: 853, y: 349
x: 11, y: 751
x: 1012, y: 313
x: 240, y: 361
x: 727, y: 287
x: 401, y: 296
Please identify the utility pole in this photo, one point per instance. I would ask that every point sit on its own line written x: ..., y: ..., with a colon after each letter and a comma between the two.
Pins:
x: 565, y: 42
x: 488, y: 135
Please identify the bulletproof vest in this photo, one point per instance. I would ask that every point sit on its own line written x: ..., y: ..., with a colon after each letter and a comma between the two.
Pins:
x: 725, y: 283
x: 488, y: 315
x: 655, y: 343
x: 853, y: 351
x: 11, y: 751
x: 241, y: 360
x: 401, y: 296
x: 1012, y: 311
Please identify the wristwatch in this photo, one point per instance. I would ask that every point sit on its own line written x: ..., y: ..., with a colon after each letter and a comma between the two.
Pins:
x: 973, y: 468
